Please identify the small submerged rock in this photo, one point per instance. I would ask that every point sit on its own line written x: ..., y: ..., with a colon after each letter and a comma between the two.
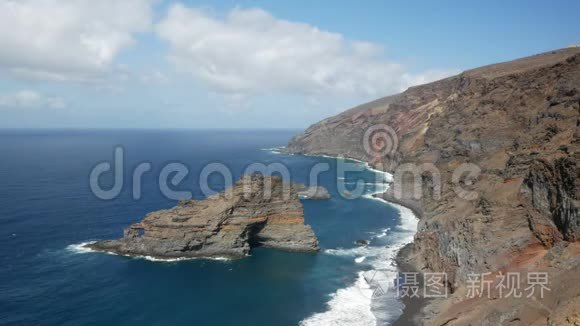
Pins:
x: 256, y: 211
x: 315, y: 193
x: 362, y: 243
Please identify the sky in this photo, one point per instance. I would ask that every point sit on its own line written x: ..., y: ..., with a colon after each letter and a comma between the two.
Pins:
x: 247, y: 64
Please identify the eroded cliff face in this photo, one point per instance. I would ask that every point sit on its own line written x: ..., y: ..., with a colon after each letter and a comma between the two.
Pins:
x: 518, y: 122
x: 256, y: 211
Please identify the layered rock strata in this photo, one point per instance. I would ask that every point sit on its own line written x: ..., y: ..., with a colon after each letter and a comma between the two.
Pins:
x: 256, y: 211
x: 515, y: 124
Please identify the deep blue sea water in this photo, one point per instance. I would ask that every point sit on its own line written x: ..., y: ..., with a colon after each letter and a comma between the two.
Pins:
x: 47, y: 210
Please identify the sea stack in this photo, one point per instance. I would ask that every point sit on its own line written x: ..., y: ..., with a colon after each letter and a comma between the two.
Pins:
x: 258, y: 211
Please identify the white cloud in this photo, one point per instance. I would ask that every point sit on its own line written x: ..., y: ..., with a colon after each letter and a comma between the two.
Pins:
x: 154, y: 77
x: 249, y: 51
x: 31, y: 99
x: 67, y: 40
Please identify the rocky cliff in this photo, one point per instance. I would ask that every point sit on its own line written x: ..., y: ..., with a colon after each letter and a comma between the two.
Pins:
x: 515, y: 127
x: 256, y: 211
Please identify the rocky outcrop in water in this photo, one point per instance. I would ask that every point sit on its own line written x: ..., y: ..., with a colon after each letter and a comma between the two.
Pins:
x: 256, y: 211
x: 518, y: 122
x: 315, y: 193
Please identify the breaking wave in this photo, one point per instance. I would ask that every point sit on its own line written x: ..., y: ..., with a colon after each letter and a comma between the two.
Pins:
x: 354, y: 305
x: 80, y: 248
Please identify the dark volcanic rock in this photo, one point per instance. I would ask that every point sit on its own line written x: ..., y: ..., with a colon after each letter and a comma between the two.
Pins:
x: 256, y: 211
x: 315, y: 193
x: 362, y: 243
x: 519, y: 123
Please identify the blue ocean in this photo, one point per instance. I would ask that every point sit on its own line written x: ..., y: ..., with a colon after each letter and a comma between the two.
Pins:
x: 47, y: 211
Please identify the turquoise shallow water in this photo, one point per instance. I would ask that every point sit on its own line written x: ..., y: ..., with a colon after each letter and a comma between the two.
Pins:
x: 46, y: 208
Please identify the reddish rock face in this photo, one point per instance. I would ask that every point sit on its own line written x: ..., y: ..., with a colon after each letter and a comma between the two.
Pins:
x: 256, y: 211
x: 519, y: 123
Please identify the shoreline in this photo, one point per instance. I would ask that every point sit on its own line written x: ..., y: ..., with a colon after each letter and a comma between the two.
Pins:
x: 412, y: 310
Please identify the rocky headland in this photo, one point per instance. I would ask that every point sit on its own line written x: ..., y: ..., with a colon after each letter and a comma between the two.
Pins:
x: 518, y: 123
x: 258, y: 211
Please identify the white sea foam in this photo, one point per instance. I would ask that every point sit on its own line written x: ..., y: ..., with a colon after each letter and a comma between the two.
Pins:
x: 359, y: 260
x: 354, y: 305
x: 354, y: 183
x: 381, y: 276
x: 81, y: 248
x: 348, y: 306
x: 275, y: 150
x: 383, y: 176
x: 326, y: 156
x: 180, y: 258
x: 383, y: 233
x: 379, y: 257
x: 408, y: 220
